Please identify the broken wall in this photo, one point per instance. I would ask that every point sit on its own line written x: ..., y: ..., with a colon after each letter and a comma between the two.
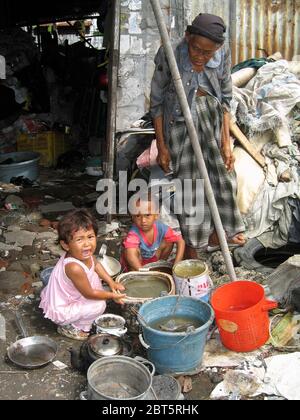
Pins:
x: 140, y: 40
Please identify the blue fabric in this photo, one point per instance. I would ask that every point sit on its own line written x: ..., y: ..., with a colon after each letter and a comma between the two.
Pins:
x: 147, y: 251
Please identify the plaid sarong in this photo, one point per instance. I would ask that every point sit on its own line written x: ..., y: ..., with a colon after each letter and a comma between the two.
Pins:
x: 208, y: 120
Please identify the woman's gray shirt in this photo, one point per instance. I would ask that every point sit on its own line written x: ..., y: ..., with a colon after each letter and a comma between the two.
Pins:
x: 215, y: 79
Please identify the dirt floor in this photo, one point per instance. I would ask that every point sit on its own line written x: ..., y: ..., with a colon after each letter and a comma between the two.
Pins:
x: 21, y: 262
x: 51, y: 382
x: 27, y: 246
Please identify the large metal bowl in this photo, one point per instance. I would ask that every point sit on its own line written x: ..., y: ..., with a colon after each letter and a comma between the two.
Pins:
x: 18, y: 164
x: 111, y: 265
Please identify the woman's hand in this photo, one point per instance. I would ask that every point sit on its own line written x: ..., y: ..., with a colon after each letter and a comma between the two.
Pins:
x: 163, y: 159
x: 226, y: 149
x: 228, y: 157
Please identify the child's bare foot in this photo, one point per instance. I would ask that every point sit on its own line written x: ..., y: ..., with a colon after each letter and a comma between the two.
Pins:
x: 72, y: 332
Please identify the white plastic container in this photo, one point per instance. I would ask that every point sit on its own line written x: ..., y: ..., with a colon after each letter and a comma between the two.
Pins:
x: 192, y: 279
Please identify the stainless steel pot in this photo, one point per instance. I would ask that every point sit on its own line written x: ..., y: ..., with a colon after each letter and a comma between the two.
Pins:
x: 110, y: 324
x: 119, y: 378
x: 104, y: 345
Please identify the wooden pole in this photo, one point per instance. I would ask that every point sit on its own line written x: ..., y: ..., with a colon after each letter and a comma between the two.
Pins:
x: 112, y: 94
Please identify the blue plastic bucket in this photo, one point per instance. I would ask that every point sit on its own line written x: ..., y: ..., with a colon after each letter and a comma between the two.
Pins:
x: 180, y: 352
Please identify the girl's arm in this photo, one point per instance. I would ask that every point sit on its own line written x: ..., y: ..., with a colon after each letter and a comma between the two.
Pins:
x: 103, y: 274
x: 180, y: 251
x: 79, y: 278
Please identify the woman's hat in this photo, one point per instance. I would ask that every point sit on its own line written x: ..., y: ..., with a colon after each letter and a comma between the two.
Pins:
x: 209, y: 26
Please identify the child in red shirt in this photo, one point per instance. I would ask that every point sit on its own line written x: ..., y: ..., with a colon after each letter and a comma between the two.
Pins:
x: 149, y: 240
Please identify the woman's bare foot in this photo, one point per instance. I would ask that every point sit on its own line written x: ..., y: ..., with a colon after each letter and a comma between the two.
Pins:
x: 190, y: 253
x: 238, y: 239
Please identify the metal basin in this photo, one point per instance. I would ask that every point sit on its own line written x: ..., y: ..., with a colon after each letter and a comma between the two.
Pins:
x: 18, y: 164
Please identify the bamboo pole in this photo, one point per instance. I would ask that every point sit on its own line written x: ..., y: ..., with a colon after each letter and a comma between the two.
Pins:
x: 112, y: 95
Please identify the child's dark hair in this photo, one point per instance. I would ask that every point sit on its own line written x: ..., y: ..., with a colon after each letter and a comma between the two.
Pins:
x: 73, y: 221
x: 147, y: 196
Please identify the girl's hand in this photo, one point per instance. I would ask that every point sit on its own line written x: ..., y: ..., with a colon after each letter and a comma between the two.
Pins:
x: 119, y: 299
x: 118, y: 287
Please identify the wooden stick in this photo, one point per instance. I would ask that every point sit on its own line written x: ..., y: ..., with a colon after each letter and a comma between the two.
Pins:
x: 240, y: 136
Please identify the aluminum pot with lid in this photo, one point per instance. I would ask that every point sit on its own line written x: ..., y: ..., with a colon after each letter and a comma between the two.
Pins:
x: 104, y: 345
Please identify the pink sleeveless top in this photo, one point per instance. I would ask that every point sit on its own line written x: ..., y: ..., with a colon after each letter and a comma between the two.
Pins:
x: 64, y: 304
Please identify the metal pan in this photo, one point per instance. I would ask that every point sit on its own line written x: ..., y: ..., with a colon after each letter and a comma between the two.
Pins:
x: 31, y: 352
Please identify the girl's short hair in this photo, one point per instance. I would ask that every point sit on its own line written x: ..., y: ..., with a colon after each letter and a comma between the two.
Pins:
x: 73, y: 221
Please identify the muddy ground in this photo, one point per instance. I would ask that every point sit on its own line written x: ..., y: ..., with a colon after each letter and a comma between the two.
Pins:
x: 26, y: 247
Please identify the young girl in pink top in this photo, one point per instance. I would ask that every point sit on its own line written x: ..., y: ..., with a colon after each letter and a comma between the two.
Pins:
x: 74, y: 296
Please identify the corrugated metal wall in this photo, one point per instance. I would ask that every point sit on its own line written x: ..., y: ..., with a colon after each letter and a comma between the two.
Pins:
x: 258, y: 27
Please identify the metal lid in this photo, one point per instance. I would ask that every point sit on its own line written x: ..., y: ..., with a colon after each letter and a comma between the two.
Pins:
x: 105, y: 345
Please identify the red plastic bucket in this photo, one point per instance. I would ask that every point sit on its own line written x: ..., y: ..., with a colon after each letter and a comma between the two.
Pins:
x: 241, y: 312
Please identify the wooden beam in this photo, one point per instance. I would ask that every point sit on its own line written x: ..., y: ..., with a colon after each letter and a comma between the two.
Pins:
x: 242, y: 139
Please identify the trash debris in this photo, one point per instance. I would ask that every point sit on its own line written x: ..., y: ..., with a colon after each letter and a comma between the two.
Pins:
x: 58, y: 207
x: 285, y: 330
x: 9, y: 188
x: 185, y: 383
x: 2, y: 328
x: 59, y: 365
x: 216, y: 355
x: 280, y: 377
x: 13, y: 202
x: 282, y: 290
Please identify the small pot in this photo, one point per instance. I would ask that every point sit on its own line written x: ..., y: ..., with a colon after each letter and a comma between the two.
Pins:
x: 110, y: 324
x: 83, y: 358
x: 104, y: 345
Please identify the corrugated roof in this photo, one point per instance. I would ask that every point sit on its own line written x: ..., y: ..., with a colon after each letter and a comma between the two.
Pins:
x: 257, y: 28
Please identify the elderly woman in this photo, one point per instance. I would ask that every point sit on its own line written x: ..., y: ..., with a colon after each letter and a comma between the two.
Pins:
x: 204, y: 63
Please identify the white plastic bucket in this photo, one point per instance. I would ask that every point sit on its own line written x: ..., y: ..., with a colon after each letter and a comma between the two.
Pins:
x: 192, y: 279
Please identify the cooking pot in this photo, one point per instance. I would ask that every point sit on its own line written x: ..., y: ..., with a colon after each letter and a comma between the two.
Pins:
x: 97, y: 347
x: 31, y: 352
x: 110, y: 324
x: 103, y: 345
x: 119, y: 378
